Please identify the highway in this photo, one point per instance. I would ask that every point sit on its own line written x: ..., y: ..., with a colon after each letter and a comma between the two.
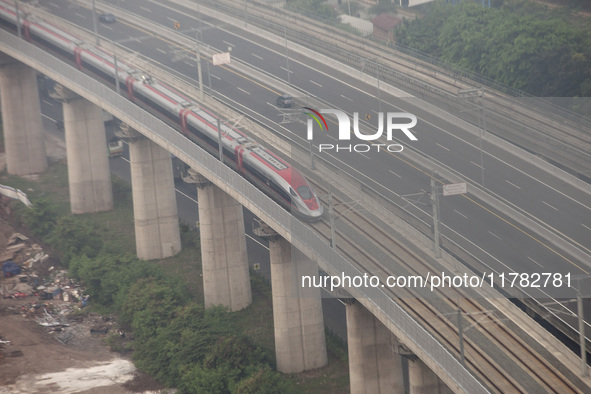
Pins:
x: 497, y: 240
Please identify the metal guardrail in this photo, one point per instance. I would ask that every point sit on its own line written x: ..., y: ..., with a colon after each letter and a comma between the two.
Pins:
x: 387, y: 310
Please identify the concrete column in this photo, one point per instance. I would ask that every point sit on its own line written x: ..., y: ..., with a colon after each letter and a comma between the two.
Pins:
x: 424, y: 381
x: 89, y: 175
x: 300, y: 344
x: 373, y: 365
x: 21, y: 118
x: 157, y: 233
x: 226, y: 280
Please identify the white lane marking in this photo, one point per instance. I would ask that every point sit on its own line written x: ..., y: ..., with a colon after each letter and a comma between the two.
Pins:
x: 108, y: 27
x: 257, y: 241
x: 554, y: 208
x: 188, y: 63
x: 461, y: 214
x: 395, y: 173
x: 345, y: 97
x: 477, y: 165
x: 161, y: 50
x: 257, y: 56
x: 242, y: 90
x: 441, y: 146
x: 330, y: 136
x: 285, y: 69
x: 315, y: 83
x: 364, y: 155
x: 186, y: 195
x: 228, y: 43
x: 45, y: 116
x: 535, y: 262
x: 512, y: 184
x: 54, y: 5
x: 80, y: 15
x: 48, y: 103
x: 272, y: 105
x: 588, y: 228
x: 494, y: 235
x: 216, y: 77
x: 375, y: 112
x: 145, y: 9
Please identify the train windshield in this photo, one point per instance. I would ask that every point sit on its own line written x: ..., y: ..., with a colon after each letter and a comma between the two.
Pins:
x: 305, y: 192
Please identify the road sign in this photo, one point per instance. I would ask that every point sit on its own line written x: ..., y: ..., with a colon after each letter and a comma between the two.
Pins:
x: 455, y: 188
x: 221, y: 58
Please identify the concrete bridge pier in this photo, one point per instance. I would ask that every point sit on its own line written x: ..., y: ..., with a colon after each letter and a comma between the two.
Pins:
x: 300, y: 343
x: 374, y: 367
x: 89, y: 176
x: 157, y: 233
x: 21, y: 118
x: 424, y: 381
x: 226, y: 279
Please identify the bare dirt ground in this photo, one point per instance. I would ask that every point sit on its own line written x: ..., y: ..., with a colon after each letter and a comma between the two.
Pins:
x: 33, y: 360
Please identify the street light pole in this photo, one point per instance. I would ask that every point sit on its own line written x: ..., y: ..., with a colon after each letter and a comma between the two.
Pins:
x: 482, y: 132
x: 313, y: 166
x: 199, y: 67
x: 461, y: 335
x: 479, y: 94
x: 435, y: 202
x: 116, y: 68
x: 220, y: 141
x: 94, y: 23
x: 18, y: 19
x: 333, y: 241
x: 582, y: 341
x: 286, y: 53
x: 379, y: 93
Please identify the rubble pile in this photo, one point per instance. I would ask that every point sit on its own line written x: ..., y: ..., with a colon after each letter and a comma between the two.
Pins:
x: 26, y: 273
x: 32, y: 287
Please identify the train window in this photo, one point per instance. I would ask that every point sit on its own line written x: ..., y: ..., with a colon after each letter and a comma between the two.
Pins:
x: 305, y: 192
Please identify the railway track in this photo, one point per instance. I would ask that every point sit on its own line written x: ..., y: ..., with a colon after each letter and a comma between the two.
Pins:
x: 515, y: 367
x: 534, y: 124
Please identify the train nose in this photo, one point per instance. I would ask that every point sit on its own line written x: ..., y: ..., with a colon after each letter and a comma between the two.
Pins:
x: 316, y: 214
x: 312, y: 204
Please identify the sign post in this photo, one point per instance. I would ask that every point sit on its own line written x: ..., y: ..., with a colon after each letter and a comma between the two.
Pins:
x: 452, y: 189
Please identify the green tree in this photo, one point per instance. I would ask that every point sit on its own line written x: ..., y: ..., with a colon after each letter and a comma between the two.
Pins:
x: 519, y: 45
x: 263, y: 380
x: 41, y: 218
x: 71, y: 236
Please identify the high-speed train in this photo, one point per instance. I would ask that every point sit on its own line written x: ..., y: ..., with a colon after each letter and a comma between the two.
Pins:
x: 267, y: 171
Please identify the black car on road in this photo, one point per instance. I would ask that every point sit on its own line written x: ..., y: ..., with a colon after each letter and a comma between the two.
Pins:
x: 285, y: 101
x: 107, y: 17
